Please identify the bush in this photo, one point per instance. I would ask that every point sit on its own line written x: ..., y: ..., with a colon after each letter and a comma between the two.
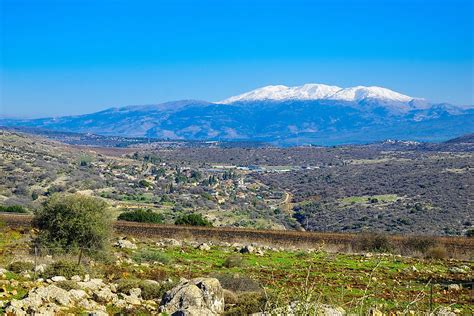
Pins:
x: 20, y: 266
x: 63, y: 268
x: 13, y: 209
x: 150, y: 290
x: 237, y: 283
x: 438, y: 252
x: 470, y: 233
x: 68, y: 285
x: 72, y: 221
x: 375, y: 242
x: 419, y: 243
x: 247, y: 303
x: 142, y: 216
x: 192, y: 220
x: 149, y: 255
x: 233, y: 261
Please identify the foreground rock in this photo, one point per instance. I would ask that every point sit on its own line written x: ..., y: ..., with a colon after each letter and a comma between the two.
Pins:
x: 92, y: 297
x: 201, y: 296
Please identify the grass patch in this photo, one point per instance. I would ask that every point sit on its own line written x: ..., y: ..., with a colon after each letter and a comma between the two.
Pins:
x: 151, y: 255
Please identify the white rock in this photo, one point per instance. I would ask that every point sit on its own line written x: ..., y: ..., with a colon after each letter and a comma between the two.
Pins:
x: 125, y: 244
x: 77, y: 295
x: 58, y: 278
x: 201, y: 296
x: 76, y: 278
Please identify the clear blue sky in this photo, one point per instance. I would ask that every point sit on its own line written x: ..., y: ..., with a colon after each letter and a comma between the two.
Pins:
x: 71, y: 57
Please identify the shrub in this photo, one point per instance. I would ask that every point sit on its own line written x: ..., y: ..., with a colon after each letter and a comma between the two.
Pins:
x: 142, y: 216
x: 248, y: 303
x: 20, y: 266
x: 470, y: 233
x: 233, y: 261
x: 67, y: 285
x: 72, y: 221
x: 13, y: 209
x: 419, y: 243
x: 375, y: 242
x: 150, y: 290
x: 237, y: 283
x: 63, y: 268
x: 437, y: 252
x: 192, y: 220
x: 149, y: 255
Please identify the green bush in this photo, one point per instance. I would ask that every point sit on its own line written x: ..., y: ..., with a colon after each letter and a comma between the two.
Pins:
x: 247, y: 303
x: 68, y: 222
x: 13, y: 209
x: 470, y: 233
x: 63, y: 268
x: 68, y: 285
x: 142, y: 216
x: 150, y: 290
x: 237, y: 283
x: 20, y: 266
x: 193, y: 219
x: 233, y: 261
x: 149, y: 255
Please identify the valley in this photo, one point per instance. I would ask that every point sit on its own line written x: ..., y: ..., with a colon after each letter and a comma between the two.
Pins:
x: 395, y: 188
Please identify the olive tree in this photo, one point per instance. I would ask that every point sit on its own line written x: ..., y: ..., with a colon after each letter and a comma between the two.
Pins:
x: 70, y: 222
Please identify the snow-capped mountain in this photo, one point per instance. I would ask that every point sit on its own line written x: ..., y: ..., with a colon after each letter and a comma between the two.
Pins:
x: 308, y: 114
x: 314, y: 91
x: 280, y: 92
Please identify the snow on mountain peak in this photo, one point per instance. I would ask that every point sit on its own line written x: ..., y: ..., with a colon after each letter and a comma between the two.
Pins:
x: 318, y: 92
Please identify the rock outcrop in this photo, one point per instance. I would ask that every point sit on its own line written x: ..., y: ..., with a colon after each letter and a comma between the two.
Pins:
x: 201, y: 296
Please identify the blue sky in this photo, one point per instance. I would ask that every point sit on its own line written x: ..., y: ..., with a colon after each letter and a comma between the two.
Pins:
x: 71, y: 57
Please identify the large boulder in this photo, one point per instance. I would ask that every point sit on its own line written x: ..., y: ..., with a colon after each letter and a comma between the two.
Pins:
x: 201, y: 296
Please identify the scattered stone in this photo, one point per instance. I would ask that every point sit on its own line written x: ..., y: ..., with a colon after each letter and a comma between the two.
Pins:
x: 201, y: 296
x: 92, y: 285
x: 58, y: 278
x: 40, y: 268
x: 77, y: 295
x: 76, y: 278
x: 204, y: 247
x: 454, y: 287
x: 445, y: 311
x: 457, y: 270
x: 125, y: 244
x: 247, y: 249
x: 104, y: 295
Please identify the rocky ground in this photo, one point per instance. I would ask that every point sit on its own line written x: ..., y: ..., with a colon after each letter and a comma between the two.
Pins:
x: 177, y: 277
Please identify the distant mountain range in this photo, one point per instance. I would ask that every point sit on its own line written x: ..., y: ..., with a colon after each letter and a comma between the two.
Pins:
x: 308, y: 114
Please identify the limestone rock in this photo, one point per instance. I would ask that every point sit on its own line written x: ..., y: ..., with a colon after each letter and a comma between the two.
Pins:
x: 201, y: 296
x: 125, y: 244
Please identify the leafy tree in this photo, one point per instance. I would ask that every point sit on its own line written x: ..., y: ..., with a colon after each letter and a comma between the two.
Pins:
x: 192, y: 219
x: 72, y: 221
x: 142, y: 216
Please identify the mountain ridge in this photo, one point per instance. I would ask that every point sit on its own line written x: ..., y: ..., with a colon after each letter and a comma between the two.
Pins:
x: 325, y: 121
